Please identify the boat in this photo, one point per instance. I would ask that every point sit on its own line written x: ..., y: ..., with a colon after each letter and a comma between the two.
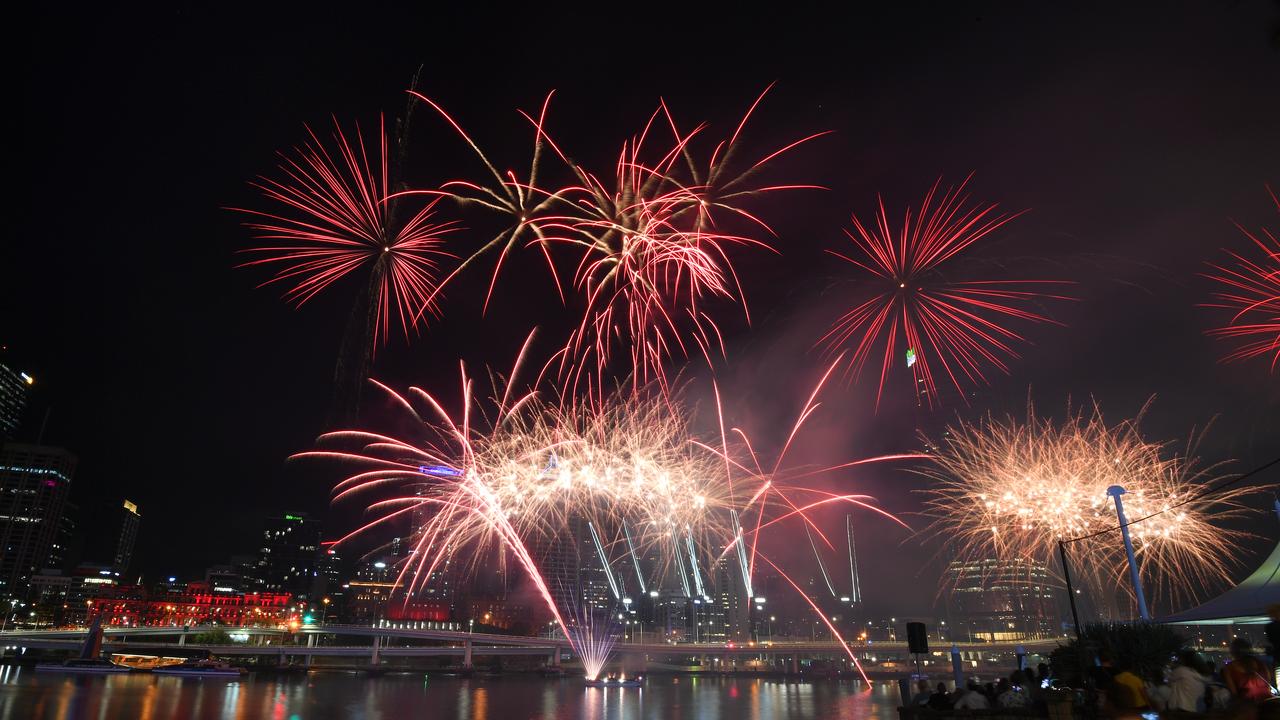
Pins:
x: 617, y: 682
x: 92, y: 666
x: 200, y: 668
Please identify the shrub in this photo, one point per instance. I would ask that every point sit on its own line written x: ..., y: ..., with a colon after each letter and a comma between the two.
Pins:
x: 1145, y: 648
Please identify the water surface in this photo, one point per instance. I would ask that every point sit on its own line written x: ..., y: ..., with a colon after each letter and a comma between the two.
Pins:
x: 25, y: 694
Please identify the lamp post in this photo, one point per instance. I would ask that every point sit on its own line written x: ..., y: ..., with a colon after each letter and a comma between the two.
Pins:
x: 1115, y: 491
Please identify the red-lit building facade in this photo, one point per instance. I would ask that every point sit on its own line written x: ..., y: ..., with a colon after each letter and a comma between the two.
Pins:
x: 197, y: 606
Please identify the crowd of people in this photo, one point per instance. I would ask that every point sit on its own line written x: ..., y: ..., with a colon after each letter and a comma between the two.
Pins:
x: 1023, y: 688
x: 1188, y: 685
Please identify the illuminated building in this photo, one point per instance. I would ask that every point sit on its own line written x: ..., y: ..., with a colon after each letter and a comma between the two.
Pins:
x: 132, y: 606
x: 1001, y: 600
x: 14, y: 387
x: 330, y: 590
x: 730, y: 619
x: 34, y: 481
x: 288, y: 557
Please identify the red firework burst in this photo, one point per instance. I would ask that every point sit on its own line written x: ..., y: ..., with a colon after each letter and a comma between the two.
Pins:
x: 1250, y: 289
x: 652, y: 243
x: 948, y: 328
x: 654, y: 253
x: 335, y: 221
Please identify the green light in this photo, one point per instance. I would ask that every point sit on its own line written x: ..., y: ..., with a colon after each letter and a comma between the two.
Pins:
x: 308, y: 619
x: 911, y: 357
x: 293, y: 517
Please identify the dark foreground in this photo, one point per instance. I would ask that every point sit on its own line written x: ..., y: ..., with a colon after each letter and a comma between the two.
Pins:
x: 26, y: 694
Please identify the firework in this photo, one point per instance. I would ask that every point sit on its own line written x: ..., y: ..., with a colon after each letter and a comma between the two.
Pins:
x: 1010, y: 490
x: 946, y: 330
x: 592, y: 633
x: 524, y: 474
x: 651, y: 243
x: 655, y: 250
x: 334, y: 222
x: 521, y: 202
x: 1250, y: 289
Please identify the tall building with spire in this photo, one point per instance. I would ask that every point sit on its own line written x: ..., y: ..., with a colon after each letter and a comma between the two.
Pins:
x: 127, y: 536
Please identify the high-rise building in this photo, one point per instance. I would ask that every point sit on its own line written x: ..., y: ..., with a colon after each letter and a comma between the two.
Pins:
x: 127, y: 537
x: 237, y: 576
x: 369, y: 593
x: 731, y: 616
x: 65, y: 541
x: 14, y: 386
x: 1001, y: 600
x: 288, y: 557
x: 34, y: 481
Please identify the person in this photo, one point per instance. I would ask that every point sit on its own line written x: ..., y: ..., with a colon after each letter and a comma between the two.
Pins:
x: 972, y: 698
x: 940, y: 700
x: 1026, y: 680
x: 1008, y: 695
x: 1246, y: 676
x: 1273, y: 628
x: 922, y: 693
x: 1127, y: 691
x: 1187, y: 683
x: 1042, y: 675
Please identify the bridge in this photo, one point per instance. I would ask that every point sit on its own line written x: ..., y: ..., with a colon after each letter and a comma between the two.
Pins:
x: 311, y: 641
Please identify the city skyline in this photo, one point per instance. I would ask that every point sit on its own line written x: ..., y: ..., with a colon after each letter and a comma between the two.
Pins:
x: 221, y: 382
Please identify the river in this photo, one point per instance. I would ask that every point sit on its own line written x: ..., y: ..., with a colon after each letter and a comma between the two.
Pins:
x: 27, y: 695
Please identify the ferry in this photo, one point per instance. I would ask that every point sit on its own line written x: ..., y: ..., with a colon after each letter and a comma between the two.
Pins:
x: 83, y: 665
x: 201, y: 668
x: 620, y: 681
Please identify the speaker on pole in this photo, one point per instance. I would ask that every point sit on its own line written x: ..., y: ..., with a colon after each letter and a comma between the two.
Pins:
x: 917, y: 638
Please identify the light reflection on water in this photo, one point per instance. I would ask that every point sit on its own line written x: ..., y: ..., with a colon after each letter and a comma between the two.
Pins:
x: 25, y: 694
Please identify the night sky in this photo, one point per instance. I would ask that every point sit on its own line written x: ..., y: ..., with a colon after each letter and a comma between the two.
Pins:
x: 1133, y: 135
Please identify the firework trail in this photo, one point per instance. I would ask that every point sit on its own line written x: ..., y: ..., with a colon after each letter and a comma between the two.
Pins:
x: 1011, y: 489
x: 1250, y: 289
x: 651, y: 244
x: 524, y: 205
x: 593, y: 634
x: 947, y: 330
x: 516, y: 473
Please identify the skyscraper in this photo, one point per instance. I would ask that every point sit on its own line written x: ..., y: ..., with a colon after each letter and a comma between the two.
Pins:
x: 14, y: 386
x: 288, y: 557
x: 128, y: 535
x: 34, y: 481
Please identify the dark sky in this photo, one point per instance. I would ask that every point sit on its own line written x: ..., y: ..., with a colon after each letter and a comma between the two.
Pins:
x: 1133, y: 134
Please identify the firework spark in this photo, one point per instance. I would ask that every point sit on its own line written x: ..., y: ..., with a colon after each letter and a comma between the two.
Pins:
x: 1010, y: 490
x: 335, y: 222
x: 947, y: 330
x: 1250, y: 289
x: 520, y: 477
